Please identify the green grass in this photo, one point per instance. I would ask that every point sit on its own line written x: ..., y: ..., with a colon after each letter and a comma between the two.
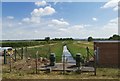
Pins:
x: 80, y: 47
x: 102, y: 73
x: 57, y: 48
x: 45, y: 50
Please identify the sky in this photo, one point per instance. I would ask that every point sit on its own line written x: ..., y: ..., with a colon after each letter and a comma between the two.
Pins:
x: 40, y: 19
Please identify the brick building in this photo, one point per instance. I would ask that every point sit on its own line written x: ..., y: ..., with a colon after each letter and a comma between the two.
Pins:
x: 107, y: 53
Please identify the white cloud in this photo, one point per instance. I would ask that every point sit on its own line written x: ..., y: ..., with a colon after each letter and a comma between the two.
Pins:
x: 62, y: 29
x: 78, y: 31
x: 27, y: 20
x: 43, y: 11
x: 114, y: 21
x: 78, y: 26
x: 35, y: 19
x: 38, y: 27
x: 116, y: 8
x: 10, y: 17
x: 36, y: 31
x: 10, y: 25
x: 112, y: 25
x: 87, y: 25
x: 37, y: 14
x: 55, y: 1
x: 59, y: 23
x: 62, y: 19
x: 40, y: 3
x: 72, y: 30
x: 75, y: 31
x: 94, y: 19
x: 108, y: 29
x: 19, y: 23
x: 112, y: 4
x: 31, y: 20
x: 44, y: 29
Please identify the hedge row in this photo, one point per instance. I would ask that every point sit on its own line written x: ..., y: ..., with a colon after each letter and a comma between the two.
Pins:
x: 22, y: 44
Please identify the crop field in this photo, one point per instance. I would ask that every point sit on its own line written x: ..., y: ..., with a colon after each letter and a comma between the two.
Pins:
x: 21, y: 70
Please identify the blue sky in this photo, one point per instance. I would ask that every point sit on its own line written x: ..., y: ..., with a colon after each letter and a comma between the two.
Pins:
x: 30, y: 20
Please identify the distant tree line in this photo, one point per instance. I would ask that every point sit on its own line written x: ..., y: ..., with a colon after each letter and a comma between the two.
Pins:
x: 114, y: 37
x: 57, y: 39
x: 62, y: 39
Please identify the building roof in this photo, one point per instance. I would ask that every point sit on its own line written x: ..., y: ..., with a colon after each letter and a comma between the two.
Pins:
x: 108, y: 41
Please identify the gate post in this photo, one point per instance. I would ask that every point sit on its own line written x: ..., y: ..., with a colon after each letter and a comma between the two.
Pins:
x: 5, y: 59
x: 78, y: 62
x: 87, y: 53
x: 95, y: 52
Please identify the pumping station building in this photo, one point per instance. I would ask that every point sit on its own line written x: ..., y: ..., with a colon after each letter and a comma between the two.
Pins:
x: 107, y: 53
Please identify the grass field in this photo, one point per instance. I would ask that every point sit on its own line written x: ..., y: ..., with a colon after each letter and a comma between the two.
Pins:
x: 44, y: 51
x: 80, y: 47
x: 57, y: 48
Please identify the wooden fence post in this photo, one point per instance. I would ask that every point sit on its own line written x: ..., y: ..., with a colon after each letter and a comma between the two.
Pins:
x: 36, y: 61
x: 26, y: 52
x: 15, y: 54
x: 63, y: 64
x: 22, y: 53
x: 10, y: 64
x: 5, y: 58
